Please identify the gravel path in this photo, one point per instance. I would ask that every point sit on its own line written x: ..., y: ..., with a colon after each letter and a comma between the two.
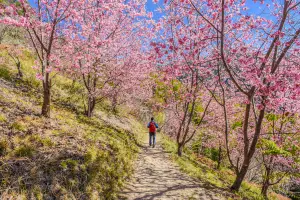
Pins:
x: 157, y: 177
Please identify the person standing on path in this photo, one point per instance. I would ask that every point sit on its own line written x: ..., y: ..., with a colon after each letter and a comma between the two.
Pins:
x: 152, y: 132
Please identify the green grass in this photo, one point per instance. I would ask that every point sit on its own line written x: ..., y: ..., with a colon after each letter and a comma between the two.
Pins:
x: 39, y: 141
x: 18, y: 126
x: 3, y: 147
x: 69, y: 164
x: 8, y: 70
x: 3, y: 118
x: 5, y: 73
x: 82, y: 156
x: 24, y: 151
x: 205, y: 171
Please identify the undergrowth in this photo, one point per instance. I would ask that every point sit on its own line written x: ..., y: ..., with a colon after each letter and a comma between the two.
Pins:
x: 204, y: 169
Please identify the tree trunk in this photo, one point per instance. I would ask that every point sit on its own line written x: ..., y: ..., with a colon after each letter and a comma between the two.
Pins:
x: 46, y: 96
x: 266, y: 180
x: 220, y: 157
x: 20, y: 74
x: 240, y: 177
x: 179, y: 149
x: 91, y: 106
x: 264, y: 189
x: 114, y: 103
x: 241, y: 174
x: 249, y: 154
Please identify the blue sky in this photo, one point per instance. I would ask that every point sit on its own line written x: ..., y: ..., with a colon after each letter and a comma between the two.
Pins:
x: 254, y: 8
x: 150, y: 6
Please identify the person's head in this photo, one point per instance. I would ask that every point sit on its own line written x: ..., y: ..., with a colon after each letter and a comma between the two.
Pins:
x: 152, y: 118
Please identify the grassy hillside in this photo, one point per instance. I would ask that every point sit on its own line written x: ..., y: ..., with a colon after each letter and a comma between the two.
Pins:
x: 66, y: 156
x: 204, y: 168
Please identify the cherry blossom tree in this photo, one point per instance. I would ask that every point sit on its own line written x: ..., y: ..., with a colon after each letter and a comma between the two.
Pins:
x: 47, y: 25
x: 182, y: 52
x: 269, y: 71
x: 102, y: 37
x: 257, y: 53
x: 107, y: 51
x: 14, y: 54
x: 257, y: 66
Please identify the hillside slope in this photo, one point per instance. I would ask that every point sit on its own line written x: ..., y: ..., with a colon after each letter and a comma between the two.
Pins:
x: 68, y: 156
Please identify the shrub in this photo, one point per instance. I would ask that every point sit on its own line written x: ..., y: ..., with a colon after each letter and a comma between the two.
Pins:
x: 32, y: 82
x: 37, y: 192
x: 211, y: 153
x: 24, y: 151
x: 2, y: 118
x: 18, y: 126
x: 69, y: 164
x: 47, y: 142
x: 41, y: 141
x: 3, y: 147
x: 5, y: 73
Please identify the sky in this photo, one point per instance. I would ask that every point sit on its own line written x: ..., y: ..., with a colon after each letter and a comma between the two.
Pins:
x: 254, y: 8
x: 152, y: 7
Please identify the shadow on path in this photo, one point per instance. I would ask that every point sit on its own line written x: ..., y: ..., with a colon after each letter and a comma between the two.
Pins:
x: 157, y: 177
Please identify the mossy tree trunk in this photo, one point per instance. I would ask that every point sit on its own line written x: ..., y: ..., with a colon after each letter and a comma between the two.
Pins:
x: 90, y: 81
x: 90, y: 106
x: 46, y: 95
x: 219, y: 157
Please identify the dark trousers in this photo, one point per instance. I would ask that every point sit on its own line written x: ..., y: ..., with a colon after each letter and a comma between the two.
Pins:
x: 152, y: 138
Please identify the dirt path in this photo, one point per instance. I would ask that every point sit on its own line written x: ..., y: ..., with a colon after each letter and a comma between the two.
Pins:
x: 157, y: 177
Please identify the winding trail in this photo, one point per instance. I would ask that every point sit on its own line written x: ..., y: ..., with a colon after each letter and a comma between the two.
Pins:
x: 157, y: 177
